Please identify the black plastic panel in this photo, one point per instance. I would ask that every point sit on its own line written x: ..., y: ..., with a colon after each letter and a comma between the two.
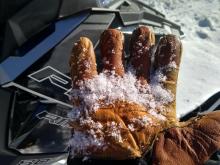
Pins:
x: 5, y: 104
x: 18, y: 30
x: 49, y: 77
x: 100, y: 19
x: 40, y: 159
x: 41, y: 95
x: 145, y: 18
x: 38, y: 126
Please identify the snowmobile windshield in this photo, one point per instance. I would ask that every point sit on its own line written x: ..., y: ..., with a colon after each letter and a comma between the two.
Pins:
x: 31, y: 19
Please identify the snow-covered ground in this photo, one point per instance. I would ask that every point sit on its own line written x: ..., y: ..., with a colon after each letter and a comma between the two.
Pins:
x: 199, y: 76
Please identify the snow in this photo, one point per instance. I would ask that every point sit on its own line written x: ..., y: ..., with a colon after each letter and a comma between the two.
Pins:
x: 128, y: 88
x: 81, y: 141
x: 199, y: 76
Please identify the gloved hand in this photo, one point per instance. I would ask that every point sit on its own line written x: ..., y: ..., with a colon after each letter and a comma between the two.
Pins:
x: 118, y: 114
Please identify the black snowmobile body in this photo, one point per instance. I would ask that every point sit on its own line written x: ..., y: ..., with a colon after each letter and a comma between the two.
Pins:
x: 36, y: 38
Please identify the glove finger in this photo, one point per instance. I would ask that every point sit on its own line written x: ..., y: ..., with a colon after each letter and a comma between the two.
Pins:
x: 192, y: 144
x: 142, y: 40
x: 111, y: 46
x: 166, y: 68
x: 82, y: 61
x: 167, y: 60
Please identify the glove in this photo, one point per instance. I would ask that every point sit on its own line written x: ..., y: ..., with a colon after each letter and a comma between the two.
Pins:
x: 120, y: 114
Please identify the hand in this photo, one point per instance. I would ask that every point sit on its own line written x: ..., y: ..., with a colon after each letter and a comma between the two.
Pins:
x: 118, y: 115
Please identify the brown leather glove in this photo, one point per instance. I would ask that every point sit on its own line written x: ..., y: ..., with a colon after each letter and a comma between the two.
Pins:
x: 119, y: 114
x: 192, y: 143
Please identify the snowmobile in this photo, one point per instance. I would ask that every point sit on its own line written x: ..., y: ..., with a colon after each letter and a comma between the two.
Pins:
x: 36, y: 37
